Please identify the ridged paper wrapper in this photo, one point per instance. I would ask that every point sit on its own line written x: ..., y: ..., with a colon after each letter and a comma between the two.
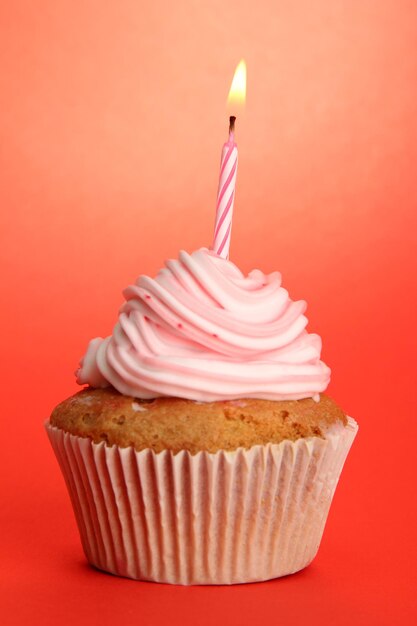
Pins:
x: 223, y: 518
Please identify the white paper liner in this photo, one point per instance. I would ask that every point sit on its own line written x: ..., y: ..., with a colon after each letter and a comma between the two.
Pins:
x: 228, y: 517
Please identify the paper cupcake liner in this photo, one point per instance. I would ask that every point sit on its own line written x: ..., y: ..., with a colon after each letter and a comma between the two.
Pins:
x: 228, y: 517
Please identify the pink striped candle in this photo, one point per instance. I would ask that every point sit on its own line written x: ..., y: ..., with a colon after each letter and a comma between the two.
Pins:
x: 226, y: 195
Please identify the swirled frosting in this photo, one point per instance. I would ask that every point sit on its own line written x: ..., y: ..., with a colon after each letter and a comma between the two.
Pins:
x: 202, y: 330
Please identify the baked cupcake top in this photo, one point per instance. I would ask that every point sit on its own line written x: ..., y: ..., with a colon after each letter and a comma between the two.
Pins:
x: 202, y: 330
x: 177, y: 424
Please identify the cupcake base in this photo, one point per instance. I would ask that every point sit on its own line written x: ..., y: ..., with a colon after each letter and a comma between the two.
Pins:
x: 223, y: 518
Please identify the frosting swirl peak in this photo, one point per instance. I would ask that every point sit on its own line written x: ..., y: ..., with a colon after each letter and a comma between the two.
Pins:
x: 202, y: 330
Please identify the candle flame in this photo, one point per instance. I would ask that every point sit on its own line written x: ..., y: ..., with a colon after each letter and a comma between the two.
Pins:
x: 237, y: 93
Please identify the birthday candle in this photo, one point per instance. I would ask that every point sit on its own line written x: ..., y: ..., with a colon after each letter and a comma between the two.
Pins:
x: 228, y: 169
x: 226, y: 195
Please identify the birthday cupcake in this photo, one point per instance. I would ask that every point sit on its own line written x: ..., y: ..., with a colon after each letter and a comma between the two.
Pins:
x: 203, y: 449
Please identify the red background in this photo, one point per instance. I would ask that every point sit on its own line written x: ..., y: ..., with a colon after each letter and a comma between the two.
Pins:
x: 112, y: 117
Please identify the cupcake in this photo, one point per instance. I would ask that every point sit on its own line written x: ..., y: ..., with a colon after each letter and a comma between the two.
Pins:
x: 203, y: 449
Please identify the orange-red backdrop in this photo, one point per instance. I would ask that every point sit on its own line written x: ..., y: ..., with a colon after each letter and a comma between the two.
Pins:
x: 112, y: 117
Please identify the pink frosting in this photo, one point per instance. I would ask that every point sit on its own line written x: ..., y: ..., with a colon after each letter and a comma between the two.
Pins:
x: 204, y: 331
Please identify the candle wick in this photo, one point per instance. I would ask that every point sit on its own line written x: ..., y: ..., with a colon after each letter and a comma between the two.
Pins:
x: 232, y: 120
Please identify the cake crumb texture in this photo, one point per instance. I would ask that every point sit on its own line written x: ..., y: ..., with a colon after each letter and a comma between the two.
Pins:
x: 178, y: 424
